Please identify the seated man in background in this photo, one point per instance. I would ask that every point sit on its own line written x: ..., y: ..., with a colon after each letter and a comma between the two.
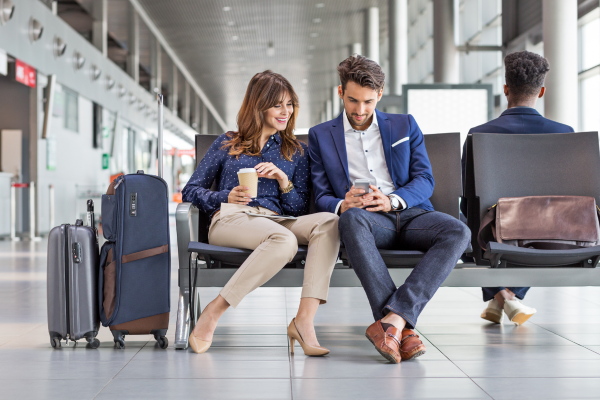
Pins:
x: 525, y: 74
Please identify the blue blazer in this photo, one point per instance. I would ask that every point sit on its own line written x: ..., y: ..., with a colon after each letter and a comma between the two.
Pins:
x: 515, y: 120
x: 407, y: 162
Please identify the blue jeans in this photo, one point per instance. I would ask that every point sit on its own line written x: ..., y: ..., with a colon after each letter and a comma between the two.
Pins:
x: 442, y: 237
x: 490, y: 292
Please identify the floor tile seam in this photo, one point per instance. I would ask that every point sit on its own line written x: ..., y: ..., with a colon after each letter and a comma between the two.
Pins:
x: 559, y: 335
x: 575, y: 296
x: 460, y: 369
x: 288, y: 351
x: 120, y: 370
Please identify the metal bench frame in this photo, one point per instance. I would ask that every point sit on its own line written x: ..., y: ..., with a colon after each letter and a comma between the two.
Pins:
x: 463, y: 275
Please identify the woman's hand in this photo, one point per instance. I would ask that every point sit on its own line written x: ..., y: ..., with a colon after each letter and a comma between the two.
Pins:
x: 270, y: 171
x: 239, y: 195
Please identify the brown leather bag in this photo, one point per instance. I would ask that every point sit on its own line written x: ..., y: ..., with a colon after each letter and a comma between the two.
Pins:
x: 542, y: 222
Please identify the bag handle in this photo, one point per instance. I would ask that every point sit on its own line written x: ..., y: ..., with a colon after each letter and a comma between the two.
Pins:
x: 486, y: 233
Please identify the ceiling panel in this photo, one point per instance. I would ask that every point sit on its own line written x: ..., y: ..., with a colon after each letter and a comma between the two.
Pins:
x: 224, y: 43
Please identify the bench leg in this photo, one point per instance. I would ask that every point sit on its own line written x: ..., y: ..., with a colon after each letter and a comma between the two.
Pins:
x: 182, y: 327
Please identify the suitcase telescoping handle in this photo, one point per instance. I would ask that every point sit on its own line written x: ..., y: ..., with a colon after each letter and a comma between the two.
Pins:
x: 160, y: 134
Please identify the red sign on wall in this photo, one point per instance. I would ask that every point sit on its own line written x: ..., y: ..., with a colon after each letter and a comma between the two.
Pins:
x: 25, y: 73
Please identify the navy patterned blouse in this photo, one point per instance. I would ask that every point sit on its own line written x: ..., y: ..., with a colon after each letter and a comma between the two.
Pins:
x: 217, y: 165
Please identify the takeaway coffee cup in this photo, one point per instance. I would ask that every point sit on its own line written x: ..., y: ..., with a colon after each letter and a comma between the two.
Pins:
x: 249, y: 177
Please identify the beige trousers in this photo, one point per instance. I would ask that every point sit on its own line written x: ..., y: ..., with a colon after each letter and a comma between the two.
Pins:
x: 275, y: 243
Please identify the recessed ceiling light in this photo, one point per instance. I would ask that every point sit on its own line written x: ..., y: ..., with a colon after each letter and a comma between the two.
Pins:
x: 226, y: 8
x: 320, y: 5
x: 231, y: 23
x: 35, y: 30
x: 317, y: 20
x: 78, y: 60
x: 234, y: 38
x: 7, y: 9
x: 314, y: 34
x: 59, y: 47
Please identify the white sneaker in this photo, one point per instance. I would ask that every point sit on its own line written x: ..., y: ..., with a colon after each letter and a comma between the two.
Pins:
x: 518, y: 312
x: 493, y: 312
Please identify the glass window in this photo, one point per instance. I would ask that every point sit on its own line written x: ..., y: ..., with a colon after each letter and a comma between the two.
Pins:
x: 590, y: 43
x: 71, y: 100
x: 590, y: 103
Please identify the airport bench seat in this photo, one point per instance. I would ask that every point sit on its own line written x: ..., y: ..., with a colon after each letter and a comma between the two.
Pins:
x: 517, y: 165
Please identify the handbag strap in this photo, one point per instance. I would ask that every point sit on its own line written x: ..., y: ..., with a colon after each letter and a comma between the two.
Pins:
x: 485, y: 233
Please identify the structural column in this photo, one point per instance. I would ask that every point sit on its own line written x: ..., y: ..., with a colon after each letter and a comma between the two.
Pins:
x: 155, y: 66
x: 100, y: 26
x: 356, y: 48
x: 197, y: 111
x: 335, y: 101
x: 328, y: 110
x: 133, y: 43
x: 173, y: 89
x: 186, y: 103
x: 372, y: 33
x: 560, y: 48
x: 204, y: 130
x: 445, y: 54
x: 398, y: 28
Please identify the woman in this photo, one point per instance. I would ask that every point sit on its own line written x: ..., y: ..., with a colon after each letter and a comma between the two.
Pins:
x: 264, y: 141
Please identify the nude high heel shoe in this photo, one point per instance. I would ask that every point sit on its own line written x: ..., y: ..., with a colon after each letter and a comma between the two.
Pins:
x: 294, y: 335
x: 199, y: 346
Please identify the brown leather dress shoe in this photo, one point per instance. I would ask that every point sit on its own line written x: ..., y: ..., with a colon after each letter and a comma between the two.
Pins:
x: 410, y: 345
x: 386, y: 342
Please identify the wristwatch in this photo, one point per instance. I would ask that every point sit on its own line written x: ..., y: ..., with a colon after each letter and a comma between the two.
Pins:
x: 395, y: 203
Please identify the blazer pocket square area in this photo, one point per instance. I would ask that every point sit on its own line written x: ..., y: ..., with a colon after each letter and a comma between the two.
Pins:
x: 400, y: 141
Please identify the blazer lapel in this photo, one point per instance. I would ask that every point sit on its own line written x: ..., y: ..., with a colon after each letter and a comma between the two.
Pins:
x: 385, y: 130
x: 337, y: 133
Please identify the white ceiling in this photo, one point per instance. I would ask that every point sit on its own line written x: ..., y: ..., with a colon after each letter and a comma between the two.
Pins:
x: 310, y: 37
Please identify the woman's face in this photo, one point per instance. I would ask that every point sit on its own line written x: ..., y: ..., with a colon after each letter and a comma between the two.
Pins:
x: 276, y: 118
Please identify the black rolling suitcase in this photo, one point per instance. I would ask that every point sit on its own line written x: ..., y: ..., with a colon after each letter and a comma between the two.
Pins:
x: 72, y: 281
x: 135, y: 262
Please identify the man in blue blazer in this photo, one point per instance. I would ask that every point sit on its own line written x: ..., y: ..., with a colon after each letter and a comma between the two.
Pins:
x: 388, y: 150
x: 525, y: 75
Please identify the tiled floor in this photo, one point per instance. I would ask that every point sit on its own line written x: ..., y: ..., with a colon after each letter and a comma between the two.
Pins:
x: 555, y: 356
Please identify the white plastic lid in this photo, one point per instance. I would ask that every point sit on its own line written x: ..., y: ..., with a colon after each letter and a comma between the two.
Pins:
x: 246, y: 170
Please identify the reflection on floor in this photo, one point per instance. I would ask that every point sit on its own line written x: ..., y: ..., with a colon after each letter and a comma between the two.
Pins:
x: 555, y: 356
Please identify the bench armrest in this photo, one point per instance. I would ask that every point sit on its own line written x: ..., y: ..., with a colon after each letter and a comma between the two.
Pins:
x: 186, y: 224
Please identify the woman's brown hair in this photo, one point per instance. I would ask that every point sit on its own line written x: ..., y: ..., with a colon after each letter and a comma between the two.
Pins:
x: 265, y: 90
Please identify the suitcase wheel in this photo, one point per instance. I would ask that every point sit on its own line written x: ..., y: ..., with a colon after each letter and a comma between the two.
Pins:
x: 55, y: 342
x: 161, y: 339
x: 93, y: 343
x: 119, y: 337
x: 163, y: 342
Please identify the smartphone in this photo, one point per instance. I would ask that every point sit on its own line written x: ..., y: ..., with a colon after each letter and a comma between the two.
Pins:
x: 362, y: 184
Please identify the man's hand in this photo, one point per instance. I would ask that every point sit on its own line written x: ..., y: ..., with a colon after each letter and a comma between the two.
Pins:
x: 377, y: 201
x: 354, y: 199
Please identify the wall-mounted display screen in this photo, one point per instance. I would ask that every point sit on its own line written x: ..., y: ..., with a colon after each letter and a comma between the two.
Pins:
x: 439, y: 108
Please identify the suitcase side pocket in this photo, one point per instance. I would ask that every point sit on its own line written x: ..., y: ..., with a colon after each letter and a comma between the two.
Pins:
x: 107, y: 283
x: 109, y: 217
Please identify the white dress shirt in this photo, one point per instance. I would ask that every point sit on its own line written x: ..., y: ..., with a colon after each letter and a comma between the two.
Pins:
x: 366, y: 159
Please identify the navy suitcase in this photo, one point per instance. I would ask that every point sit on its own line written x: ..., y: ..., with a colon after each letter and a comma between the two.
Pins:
x: 135, y: 262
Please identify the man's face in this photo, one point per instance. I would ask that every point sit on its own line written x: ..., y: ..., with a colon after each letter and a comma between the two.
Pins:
x: 359, y: 103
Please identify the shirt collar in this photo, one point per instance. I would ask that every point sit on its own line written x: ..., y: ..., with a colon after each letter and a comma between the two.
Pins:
x: 276, y: 137
x: 521, y: 110
x: 349, y: 128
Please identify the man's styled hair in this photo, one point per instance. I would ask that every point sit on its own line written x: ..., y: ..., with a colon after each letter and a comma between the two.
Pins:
x: 525, y: 73
x: 361, y: 70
